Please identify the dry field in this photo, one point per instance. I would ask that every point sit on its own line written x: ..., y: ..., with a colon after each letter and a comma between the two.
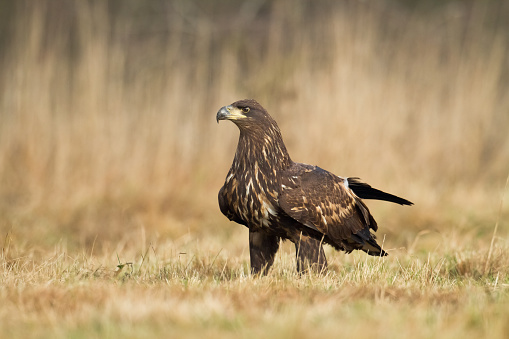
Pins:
x: 111, y: 159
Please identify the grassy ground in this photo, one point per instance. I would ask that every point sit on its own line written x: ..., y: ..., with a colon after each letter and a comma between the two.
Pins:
x: 110, y: 164
x: 193, y: 289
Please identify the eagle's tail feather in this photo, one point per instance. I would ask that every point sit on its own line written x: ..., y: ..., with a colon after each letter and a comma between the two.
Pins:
x: 372, y: 248
x: 365, y: 241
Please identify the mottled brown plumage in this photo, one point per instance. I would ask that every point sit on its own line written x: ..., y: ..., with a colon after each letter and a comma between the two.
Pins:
x: 277, y: 198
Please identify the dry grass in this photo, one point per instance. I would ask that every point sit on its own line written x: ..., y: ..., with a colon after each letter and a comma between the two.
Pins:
x: 163, y: 292
x: 110, y: 162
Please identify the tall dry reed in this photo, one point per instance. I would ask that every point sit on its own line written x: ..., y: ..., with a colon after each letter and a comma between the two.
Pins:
x: 98, y: 105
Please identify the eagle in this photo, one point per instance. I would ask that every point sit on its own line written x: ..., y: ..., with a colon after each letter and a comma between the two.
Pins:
x: 277, y: 198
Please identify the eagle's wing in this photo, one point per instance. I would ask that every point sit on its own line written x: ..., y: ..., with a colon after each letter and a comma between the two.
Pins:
x: 320, y: 200
x: 223, y: 197
x: 365, y: 191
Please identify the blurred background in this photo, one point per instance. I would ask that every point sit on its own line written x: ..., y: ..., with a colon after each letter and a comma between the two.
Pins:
x: 107, y: 111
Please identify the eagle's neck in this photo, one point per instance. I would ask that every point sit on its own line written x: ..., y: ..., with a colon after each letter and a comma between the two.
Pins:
x: 261, y: 151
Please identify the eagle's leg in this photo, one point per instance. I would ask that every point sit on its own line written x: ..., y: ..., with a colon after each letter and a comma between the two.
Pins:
x: 310, y: 255
x: 262, y: 249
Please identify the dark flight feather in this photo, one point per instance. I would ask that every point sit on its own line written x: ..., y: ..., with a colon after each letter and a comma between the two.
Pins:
x: 365, y: 191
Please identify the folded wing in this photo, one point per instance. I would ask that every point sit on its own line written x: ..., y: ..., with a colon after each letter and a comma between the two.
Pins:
x: 323, y: 202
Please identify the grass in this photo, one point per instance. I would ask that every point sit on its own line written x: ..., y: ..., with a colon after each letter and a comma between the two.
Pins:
x: 110, y: 164
x: 161, y: 291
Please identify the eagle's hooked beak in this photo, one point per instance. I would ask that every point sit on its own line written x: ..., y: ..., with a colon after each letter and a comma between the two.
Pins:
x: 229, y: 113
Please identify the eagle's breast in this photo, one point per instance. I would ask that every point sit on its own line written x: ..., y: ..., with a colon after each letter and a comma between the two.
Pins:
x: 257, y: 203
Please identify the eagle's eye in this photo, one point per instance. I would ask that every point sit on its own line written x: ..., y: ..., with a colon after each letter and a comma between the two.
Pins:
x: 245, y: 109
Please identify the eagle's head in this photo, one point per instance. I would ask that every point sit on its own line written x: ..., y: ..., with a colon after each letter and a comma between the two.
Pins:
x: 260, y: 139
x: 246, y: 114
